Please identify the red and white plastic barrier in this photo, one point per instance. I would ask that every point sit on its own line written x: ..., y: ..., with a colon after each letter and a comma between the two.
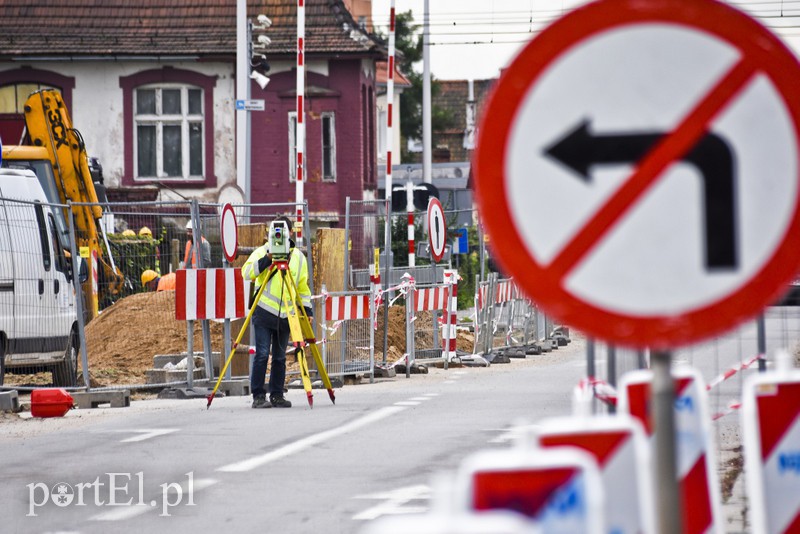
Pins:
x: 345, y: 307
x: 620, y: 448
x: 449, y: 326
x: 696, y: 461
x: 771, y: 428
x: 210, y: 294
x: 430, y: 298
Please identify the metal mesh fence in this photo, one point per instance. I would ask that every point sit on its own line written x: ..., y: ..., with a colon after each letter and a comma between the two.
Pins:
x: 38, y: 314
x: 348, y: 345
x: 364, y: 232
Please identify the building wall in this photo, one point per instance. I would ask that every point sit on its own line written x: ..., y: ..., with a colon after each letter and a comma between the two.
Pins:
x: 97, y: 112
x: 341, y: 93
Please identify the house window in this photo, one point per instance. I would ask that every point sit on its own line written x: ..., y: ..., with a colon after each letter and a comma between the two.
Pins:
x: 169, y: 132
x: 13, y: 97
x: 328, y: 147
x: 292, y: 146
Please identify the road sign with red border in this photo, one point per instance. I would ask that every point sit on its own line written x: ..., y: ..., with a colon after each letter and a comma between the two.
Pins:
x: 771, y: 428
x: 696, y: 458
x: 229, y: 233
x: 437, y: 229
x: 638, y: 170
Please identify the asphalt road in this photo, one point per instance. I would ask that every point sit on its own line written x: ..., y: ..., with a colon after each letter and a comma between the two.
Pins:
x: 330, y: 469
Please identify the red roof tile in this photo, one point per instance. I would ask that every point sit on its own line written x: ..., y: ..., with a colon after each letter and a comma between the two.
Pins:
x: 205, y: 28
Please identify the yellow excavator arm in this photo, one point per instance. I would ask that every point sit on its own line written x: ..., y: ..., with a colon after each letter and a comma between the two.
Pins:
x: 49, y: 126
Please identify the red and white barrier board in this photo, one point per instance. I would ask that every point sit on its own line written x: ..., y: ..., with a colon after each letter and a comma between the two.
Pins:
x: 210, y: 294
x: 505, y: 292
x: 557, y: 488
x: 345, y: 307
x: 619, y: 446
x: 771, y: 426
x: 430, y: 298
x: 696, y: 459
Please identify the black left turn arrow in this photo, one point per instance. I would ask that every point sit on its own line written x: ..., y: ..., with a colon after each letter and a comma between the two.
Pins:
x: 581, y: 149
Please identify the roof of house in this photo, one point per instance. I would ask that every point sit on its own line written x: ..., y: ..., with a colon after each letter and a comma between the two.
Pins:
x: 381, y: 76
x: 173, y: 28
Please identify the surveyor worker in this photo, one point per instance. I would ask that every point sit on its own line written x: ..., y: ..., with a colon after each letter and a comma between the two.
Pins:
x: 190, y: 255
x: 270, y: 324
x: 153, y: 282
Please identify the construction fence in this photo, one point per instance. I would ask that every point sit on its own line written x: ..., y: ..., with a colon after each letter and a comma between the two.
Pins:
x: 127, y: 336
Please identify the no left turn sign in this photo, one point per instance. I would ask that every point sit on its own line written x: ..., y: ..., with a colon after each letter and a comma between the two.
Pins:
x: 638, y: 169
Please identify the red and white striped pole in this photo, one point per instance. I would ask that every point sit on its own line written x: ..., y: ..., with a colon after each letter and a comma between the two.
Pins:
x: 300, y: 131
x: 410, y: 210
x: 389, y: 136
x: 450, y: 316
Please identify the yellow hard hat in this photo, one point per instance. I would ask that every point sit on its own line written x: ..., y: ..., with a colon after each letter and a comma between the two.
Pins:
x: 148, y: 276
x: 129, y: 233
x: 145, y: 231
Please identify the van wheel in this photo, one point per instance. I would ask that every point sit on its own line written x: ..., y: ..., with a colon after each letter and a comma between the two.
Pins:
x: 65, y: 373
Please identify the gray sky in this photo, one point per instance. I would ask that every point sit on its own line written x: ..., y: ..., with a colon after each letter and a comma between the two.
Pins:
x: 476, y: 38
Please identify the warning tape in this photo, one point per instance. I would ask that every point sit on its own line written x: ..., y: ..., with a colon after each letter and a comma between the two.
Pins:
x: 604, y: 391
x: 732, y: 407
x: 732, y: 371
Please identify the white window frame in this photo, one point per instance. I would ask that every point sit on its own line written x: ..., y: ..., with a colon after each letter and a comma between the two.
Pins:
x: 332, y: 116
x: 159, y: 120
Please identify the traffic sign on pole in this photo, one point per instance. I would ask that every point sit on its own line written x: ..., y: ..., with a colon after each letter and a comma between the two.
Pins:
x: 696, y: 459
x: 229, y: 233
x: 771, y: 428
x: 647, y: 198
x: 437, y: 229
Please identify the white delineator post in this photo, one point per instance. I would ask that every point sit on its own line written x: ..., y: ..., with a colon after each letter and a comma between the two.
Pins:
x: 389, y: 136
x: 300, y: 131
x: 410, y: 209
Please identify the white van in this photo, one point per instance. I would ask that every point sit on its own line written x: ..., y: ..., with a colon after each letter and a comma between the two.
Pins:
x: 38, y: 317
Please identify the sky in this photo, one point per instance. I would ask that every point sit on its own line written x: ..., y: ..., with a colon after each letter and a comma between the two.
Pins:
x: 474, y: 39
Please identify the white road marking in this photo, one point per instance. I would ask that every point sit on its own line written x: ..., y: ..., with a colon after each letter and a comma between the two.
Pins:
x: 420, y: 399
x: 145, y: 433
x: 127, y: 512
x: 431, y: 394
x: 449, y: 382
x: 407, y: 403
x: 395, y: 502
x: 310, y: 441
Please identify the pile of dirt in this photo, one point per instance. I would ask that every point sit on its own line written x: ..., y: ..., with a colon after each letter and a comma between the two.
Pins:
x: 123, y: 339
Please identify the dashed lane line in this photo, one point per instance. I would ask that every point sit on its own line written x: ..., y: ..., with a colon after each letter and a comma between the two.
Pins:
x: 310, y: 441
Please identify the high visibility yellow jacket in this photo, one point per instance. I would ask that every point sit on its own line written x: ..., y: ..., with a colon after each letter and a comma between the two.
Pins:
x: 271, y: 297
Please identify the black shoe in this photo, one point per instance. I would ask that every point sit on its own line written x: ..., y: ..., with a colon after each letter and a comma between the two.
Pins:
x: 260, y: 401
x: 279, y: 401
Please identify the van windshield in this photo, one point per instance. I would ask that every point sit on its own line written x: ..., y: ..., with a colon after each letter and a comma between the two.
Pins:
x: 44, y: 172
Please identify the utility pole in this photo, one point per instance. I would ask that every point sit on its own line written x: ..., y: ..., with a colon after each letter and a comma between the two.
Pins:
x: 427, y: 156
x: 242, y: 93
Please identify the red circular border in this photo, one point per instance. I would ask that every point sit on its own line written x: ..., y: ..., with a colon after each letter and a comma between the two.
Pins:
x: 225, y: 209
x: 436, y: 257
x: 656, y: 331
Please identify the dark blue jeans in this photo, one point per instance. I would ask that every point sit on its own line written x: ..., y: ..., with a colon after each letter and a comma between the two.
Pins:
x: 271, y: 333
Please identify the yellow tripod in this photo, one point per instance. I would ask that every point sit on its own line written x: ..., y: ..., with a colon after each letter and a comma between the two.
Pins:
x: 300, y: 332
